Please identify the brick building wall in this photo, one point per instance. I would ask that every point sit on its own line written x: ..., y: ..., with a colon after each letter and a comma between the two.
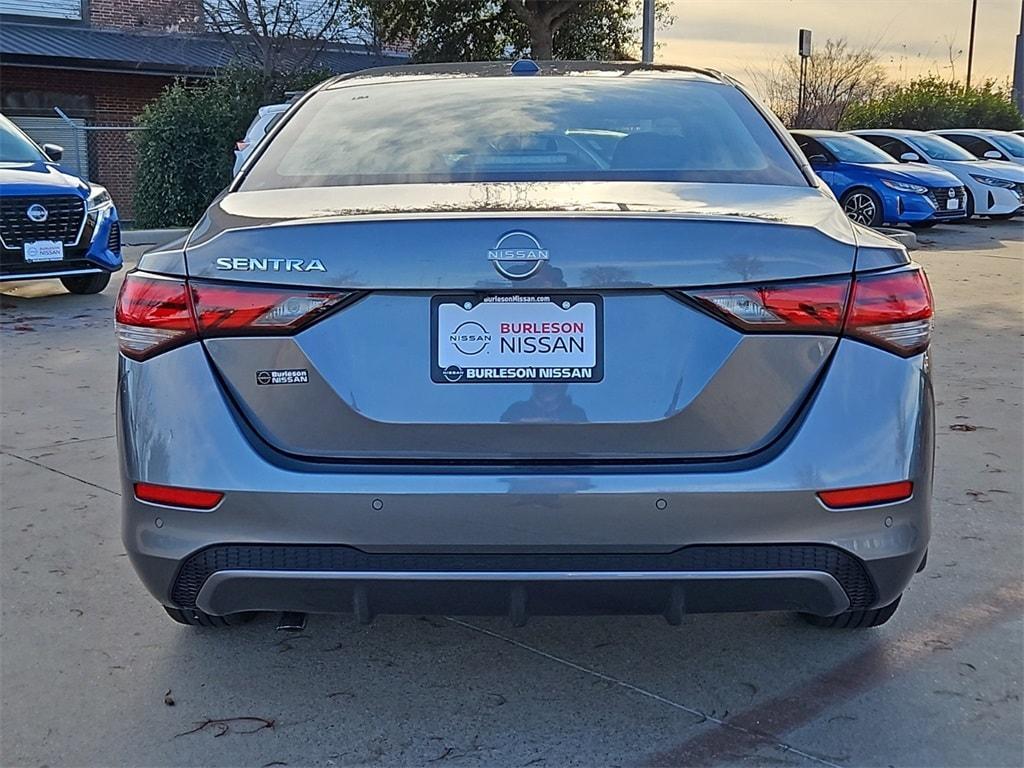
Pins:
x: 166, y: 15
x: 114, y: 100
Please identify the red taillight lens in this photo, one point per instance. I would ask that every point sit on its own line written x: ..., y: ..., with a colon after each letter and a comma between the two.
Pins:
x: 190, y: 498
x: 152, y: 314
x: 868, y: 495
x: 783, y: 307
x: 893, y: 310
x: 155, y: 313
x: 226, y: 310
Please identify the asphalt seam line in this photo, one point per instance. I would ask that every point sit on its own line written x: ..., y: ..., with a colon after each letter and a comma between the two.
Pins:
x: 58, y: 472
x: 643, y: 692
x: 60, y: 443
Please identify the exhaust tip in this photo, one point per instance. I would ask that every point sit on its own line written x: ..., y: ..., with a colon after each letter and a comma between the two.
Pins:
x: 291, y: 621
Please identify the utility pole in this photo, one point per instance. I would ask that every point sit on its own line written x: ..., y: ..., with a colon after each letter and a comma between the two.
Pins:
x: 1018, y: 66
x: 970, y: 44
x: 647, y: 56
x: 804, y: 49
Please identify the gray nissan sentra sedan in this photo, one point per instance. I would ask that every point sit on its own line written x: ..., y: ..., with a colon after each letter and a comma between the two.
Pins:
x: 541, y: 339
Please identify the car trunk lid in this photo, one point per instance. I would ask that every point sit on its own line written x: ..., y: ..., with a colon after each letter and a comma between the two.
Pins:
x: 665, y: 380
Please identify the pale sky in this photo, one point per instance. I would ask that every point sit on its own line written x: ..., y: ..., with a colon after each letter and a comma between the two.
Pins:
x: 909, y: 36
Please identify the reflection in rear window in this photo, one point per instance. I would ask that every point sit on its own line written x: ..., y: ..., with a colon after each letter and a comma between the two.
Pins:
x: 525, y: 129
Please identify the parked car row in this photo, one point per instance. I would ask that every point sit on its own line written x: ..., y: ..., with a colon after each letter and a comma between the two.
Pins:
x: 919, y: 178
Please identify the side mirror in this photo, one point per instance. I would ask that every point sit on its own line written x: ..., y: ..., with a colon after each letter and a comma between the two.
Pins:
x: 910, y: 157
x: 993, y: 155
x: 817, y: 160
x: 53, y: 152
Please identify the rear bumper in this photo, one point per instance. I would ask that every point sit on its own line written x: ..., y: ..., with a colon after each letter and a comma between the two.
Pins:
x: 741, y: 535
x: 697, y: 579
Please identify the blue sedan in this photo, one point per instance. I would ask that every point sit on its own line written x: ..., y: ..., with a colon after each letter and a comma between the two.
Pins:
x: 874, y: 189
x: 53, y: 224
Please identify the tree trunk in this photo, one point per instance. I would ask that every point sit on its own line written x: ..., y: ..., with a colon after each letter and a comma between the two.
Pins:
x: 542, y: 44
x: 543, y: 18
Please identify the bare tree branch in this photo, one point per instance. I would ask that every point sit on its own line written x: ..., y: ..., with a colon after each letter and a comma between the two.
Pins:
x: 837, y: 77
x: 281, y: 34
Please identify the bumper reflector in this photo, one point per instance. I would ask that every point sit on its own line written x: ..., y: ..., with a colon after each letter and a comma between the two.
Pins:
x: 190, y: 498
x: 867, y: 495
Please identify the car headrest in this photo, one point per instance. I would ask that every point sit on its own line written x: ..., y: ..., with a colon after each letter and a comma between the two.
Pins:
x: 651, y: 151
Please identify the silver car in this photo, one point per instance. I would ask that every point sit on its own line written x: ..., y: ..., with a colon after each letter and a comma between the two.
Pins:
x: 432, y: 352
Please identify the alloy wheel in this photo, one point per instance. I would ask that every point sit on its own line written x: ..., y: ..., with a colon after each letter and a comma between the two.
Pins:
x: 861, y: 208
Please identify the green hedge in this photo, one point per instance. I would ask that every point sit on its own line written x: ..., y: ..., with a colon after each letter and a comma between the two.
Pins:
x: 185, y: 153
x: 931, y: 102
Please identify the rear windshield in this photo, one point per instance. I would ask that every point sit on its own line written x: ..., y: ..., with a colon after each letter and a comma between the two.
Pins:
x: 525, y: 129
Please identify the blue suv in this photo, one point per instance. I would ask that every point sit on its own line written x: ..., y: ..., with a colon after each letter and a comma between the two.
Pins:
x: 53, y: 224
x: 874, y: 189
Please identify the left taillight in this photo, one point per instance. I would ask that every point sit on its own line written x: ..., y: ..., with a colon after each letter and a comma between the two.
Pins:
x: 153, y: 314
x: 157, y: 313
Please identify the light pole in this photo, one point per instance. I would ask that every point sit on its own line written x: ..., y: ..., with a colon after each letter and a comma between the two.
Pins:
x: 647, y: 55
x: 1018, y: 66
x: 804, y: 49
x: 970, y: 44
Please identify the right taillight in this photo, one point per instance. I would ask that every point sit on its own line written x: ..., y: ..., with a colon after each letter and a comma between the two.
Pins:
x: 893, y: 310
x: 157, y: 313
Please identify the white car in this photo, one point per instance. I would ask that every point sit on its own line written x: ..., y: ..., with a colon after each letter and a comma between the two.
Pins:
x: 986, y: 143
x: 994, y: 188
x: 264, y: 119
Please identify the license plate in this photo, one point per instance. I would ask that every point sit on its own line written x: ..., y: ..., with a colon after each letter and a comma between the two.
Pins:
x: 953, y: 205
x: 44, y: 250
x: 481, y: 339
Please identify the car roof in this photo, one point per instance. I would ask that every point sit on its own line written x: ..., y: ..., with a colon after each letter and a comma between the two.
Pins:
x: 983, y: 131
x: 815, y: 132
x: 414, y: 72
x: 888, y: 132
x: 271, y: 109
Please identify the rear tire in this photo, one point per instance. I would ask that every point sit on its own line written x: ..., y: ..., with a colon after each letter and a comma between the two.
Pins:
x: 863, y: 206
x: 193, y: 617
x: 856, y: 619
x: 969, y: 205
x: 82, y: 284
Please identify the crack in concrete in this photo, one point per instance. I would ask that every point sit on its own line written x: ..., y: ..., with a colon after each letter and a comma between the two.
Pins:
x: 704, y: 717
x: 58, y: 444
x: 58, y: 472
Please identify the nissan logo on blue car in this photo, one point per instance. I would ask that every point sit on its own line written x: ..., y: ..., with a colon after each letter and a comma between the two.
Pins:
x: 37, y: 213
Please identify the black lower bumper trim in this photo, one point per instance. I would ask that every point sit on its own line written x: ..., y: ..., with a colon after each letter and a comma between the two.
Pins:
x: 846, y: 569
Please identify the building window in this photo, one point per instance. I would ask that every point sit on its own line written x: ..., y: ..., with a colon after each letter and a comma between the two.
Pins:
x: 43, y: 9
